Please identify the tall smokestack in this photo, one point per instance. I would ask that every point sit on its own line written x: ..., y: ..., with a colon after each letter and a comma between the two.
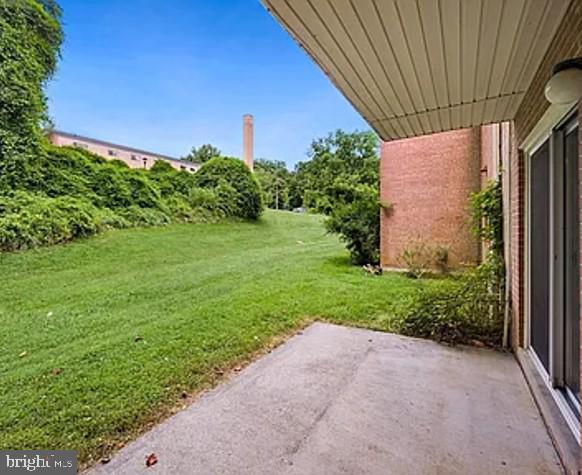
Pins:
x: 248, y: 140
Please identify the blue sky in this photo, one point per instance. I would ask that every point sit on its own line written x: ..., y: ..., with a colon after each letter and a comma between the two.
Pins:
x: 166, y: 76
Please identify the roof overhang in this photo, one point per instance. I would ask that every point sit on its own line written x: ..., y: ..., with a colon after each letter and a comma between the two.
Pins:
x: 414, y: 67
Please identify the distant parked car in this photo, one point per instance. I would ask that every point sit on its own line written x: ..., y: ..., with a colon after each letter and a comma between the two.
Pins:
x: 299, y: 210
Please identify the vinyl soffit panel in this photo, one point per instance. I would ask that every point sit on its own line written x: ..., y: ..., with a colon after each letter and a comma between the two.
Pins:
x: 413, y: 67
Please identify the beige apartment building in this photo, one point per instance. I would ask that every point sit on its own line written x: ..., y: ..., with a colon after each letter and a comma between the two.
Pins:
x: 133, y: 157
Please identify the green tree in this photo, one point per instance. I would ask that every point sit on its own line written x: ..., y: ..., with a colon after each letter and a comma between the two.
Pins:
x: 337, y: 162
x: 342, y: 180
x: 203, y: 153
x: 275, y: 179
x: 30, y: 41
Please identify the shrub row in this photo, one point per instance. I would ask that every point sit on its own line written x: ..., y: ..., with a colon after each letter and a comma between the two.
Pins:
x: 68, y: 193
x: 458, y: 310
x: 28, y: 220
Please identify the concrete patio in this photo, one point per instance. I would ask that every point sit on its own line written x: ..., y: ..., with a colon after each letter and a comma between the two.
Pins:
x: 342, y: 400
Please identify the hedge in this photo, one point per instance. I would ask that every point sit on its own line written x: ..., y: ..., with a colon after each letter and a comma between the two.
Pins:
x: 239, y: 193
x: 74, y: 193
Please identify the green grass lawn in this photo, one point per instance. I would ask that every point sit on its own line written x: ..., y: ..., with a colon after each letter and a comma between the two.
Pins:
x: 101, y: 337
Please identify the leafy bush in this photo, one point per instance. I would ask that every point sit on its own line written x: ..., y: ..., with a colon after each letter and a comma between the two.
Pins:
x: 144, y: 217
x: 358, y: 224
x: 420, y: 258
x: 143, y: 192
x: 109, y: 219
x: 118, y: 163
x: 203, y: 198
x: 435, y: 314
x: 227, y: 199
x: 110, y: 187
x: 237, y: 189
x: 456, y: 311
x: 161, y: 166
x: 29, y: 220
x: 416, y: 260
x: 441, y: 258
x: 472, y: 306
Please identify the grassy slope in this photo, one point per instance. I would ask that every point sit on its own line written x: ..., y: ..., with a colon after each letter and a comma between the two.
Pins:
x: 202, y: 297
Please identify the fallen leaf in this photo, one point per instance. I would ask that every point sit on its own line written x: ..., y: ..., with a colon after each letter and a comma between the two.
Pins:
x: 478, y: 343
x: 23, y: 354
x: 151, y: 460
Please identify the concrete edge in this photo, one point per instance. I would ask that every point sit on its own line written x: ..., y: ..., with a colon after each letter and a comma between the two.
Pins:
x: 277, y: 343
x: 562, y: 438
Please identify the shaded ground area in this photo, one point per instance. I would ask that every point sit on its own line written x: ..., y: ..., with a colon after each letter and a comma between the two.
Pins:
x: 343, y: 400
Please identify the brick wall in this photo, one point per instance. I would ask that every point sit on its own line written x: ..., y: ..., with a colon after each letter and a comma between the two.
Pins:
x: 428, y: 180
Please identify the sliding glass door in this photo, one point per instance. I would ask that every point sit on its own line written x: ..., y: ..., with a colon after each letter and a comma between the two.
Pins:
x: 571, y: 354
x: 554, y: 262
x: 540, y: 253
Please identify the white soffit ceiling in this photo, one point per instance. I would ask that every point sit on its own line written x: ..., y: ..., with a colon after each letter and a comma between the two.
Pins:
x: 414, y: 67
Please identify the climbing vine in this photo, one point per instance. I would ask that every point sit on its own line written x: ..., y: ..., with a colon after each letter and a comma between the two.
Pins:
x: 30, y: 40
x: 487, y: 214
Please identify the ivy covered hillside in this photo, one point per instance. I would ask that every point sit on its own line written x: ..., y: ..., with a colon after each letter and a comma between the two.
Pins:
x: 50, y: 195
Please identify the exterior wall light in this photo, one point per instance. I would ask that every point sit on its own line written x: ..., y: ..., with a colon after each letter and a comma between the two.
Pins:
x: 565, y: 85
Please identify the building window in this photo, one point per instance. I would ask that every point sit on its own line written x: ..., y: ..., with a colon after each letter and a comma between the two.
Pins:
x: 182, y: 167
x: 112, y: 153
x: 192, y: 169
x: 80, y: 145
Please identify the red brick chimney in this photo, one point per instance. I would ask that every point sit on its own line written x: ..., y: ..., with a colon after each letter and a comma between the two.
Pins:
x: 248, y: 140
